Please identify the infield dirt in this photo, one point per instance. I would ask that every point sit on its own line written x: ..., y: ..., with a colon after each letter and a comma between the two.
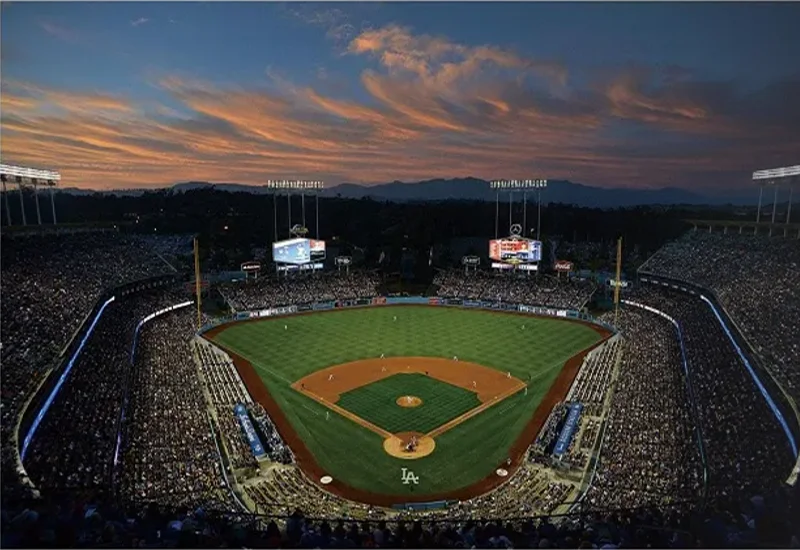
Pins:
x: 307, y: 463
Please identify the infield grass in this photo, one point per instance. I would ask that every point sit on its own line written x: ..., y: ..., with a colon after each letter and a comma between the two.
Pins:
x: 465, y: 454
x: 377, y: 403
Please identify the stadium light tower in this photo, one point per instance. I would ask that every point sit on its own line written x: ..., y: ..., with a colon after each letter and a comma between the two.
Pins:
x: 303, y: 187
x: 511, y: 186
x: 22, y: 176
x: 774, y: 177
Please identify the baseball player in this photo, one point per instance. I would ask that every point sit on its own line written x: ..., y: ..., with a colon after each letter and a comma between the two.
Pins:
x: 285, y: 327
x: 474, y: 384
x: 327, y: 415
x: 330, y: 377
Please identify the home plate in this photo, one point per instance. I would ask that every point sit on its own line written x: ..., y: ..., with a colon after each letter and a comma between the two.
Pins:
x: 326, y: 480
x: 501, y: 472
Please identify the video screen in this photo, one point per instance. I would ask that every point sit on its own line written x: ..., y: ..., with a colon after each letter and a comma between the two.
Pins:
x: 298, y: 251
x: 515, y: 251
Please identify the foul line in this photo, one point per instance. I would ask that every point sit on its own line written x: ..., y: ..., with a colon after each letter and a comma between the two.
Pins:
x: 477, y: 410
x: 347, y: 414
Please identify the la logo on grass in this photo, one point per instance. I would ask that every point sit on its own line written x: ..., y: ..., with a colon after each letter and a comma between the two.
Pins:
x: 408, y: 477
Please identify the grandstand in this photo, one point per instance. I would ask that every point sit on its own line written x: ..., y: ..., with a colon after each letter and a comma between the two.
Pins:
x: 113, y: 407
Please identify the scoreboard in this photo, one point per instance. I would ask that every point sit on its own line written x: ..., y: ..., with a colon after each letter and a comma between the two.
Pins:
x: 298, y: 251
x: 515, y: 250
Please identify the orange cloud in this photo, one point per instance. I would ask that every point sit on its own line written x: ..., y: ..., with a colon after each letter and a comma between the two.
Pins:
x: 433, y: 109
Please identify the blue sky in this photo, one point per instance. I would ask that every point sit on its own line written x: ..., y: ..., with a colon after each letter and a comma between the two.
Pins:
x: 629, y: 94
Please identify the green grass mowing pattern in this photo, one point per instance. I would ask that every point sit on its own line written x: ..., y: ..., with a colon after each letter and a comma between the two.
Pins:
x: 377, y: 403
x: 353, y: 454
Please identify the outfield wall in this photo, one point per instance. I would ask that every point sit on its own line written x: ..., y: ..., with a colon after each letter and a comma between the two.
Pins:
x: 328, y: 305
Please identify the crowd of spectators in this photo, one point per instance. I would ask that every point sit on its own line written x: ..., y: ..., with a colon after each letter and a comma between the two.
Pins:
x: 168, y: 453
x: 541, y: 290
x: 757, y: 279
x: 768, y: 521
x: 300, y: 288
x: 650, y: 453
x: 591, y: 384
x: 746, y: 449
x: 76, y: 441
x: 50, y: 285
x: 225, y: 390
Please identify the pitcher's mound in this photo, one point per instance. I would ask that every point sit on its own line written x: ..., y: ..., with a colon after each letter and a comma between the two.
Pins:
x: 409, y: 401
x: 409, y: 445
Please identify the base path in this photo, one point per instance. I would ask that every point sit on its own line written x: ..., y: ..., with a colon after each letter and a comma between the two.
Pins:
x: 327, y: 385
x: 332, y: 382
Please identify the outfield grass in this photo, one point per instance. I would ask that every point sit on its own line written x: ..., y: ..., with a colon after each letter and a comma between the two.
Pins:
x: 463, y: 455
x: 376, y: 403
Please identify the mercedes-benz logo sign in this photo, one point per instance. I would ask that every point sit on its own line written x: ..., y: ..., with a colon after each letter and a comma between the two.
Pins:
x: 516, y: 229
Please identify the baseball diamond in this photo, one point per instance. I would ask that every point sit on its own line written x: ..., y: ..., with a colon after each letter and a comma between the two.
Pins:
x: 345, y: 410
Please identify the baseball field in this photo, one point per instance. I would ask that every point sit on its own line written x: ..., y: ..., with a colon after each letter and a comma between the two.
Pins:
x: 450, y: 395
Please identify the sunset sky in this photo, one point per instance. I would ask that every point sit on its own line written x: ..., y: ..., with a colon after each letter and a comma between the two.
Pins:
x: 121, y: 95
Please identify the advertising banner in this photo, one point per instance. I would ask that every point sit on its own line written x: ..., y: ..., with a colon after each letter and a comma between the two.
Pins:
x: 471, y: 260
x: 379, y: 301
x: 434, y: 301
x: 249, y: 431
x: 306, y: 307
x: 563, y: 266
x: 406, y: 300
x: 472, y: 303
x: 364, y: 302
x: 324, y: 305
x: 564, y: 439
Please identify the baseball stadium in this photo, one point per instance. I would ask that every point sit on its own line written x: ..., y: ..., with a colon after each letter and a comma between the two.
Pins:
x: 310, y: 388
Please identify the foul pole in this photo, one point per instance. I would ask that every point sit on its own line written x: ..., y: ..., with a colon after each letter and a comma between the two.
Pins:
x: 197, y: 282
x: 617, y: 281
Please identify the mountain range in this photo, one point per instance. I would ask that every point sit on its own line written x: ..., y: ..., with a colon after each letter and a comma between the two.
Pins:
x: 558, y: 191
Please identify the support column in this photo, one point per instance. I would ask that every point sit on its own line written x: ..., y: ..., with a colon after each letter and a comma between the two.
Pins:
x: 36, y: 200
x: 8, y: 209
x: 525, y: 214
x: 789, y: 207
x: 275, y: 216
x: 496, y: 214
x: 22, y: 204
x: 760, y: 194
x: 510, y: 214
x: 775, y: 203
x: 53, y: 203
x: 539, y: 217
